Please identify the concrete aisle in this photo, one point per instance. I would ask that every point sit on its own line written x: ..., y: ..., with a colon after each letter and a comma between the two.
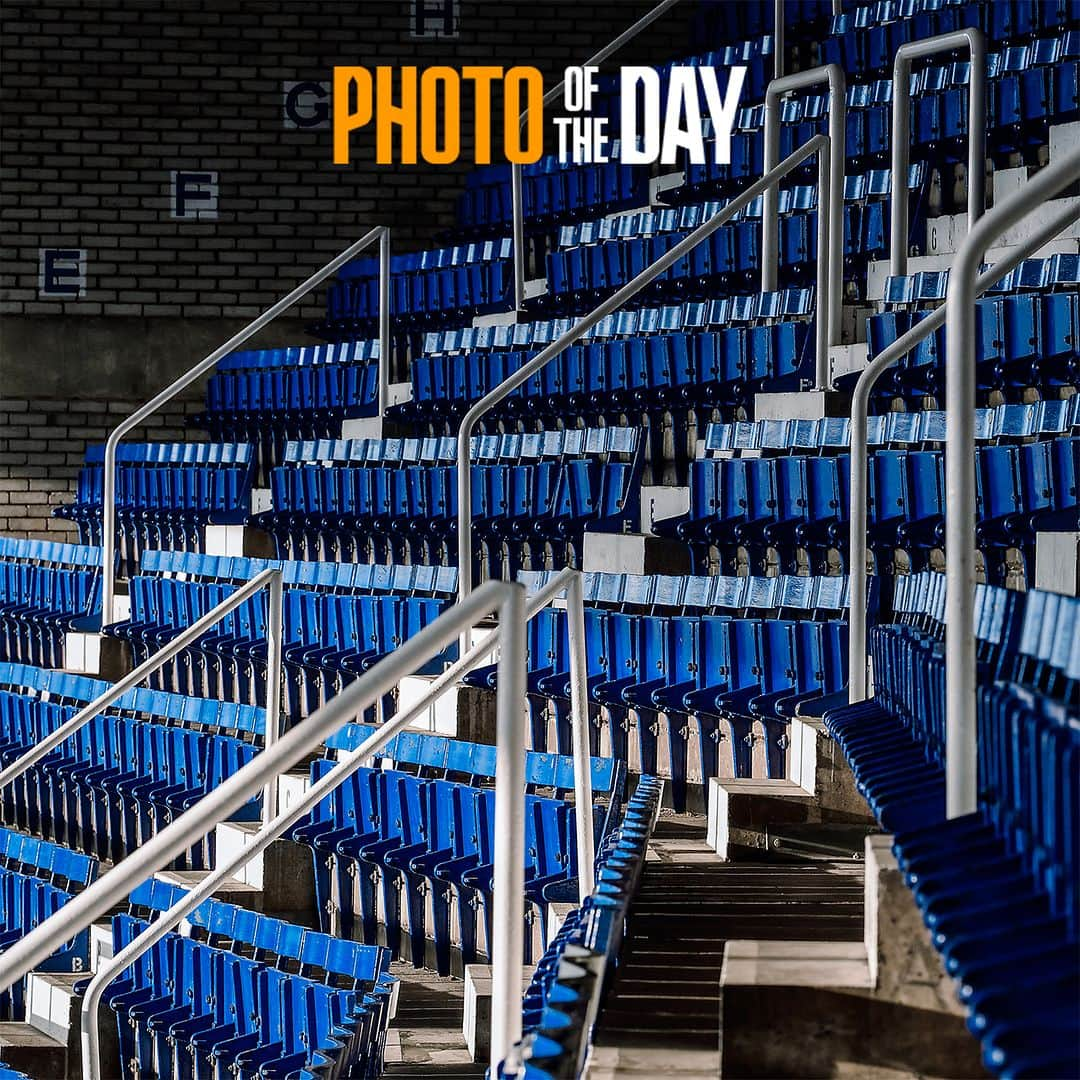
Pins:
x: 662, y: 1016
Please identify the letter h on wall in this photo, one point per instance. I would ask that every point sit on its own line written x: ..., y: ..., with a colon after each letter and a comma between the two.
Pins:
x: 434, y: 18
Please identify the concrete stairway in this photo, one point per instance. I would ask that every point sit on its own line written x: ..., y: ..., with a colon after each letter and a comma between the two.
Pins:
x: 662, y: 1016
x: 426, y: 1039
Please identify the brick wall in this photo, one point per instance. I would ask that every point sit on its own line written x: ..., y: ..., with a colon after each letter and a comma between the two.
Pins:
x: 103, y: 99
x: 42, y: 444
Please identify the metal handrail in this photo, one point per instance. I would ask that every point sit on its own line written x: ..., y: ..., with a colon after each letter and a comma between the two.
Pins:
x: 975, y: 41
x: 961, y: 738
x: 509, y: 856
x: 833, y: 74
x: 516, y: 192
x: 860, y: 451
x: 108, y: 502
x: 820, y: 145
x: 268, y: 579
x: 568, y: 581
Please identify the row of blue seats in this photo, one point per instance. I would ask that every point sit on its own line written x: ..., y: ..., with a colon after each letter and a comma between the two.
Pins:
x: 424, y: 287
x: 523, y: 515
x: 165, y: 494
x: 39, y: 603
x: 1005, y: 422
x: 1060, y: 271
x: 800, y: 501
x: 565, y: 993
x: 392, y: 832
x: 997, y: 887
x: 328, y: 639
x: 46, y: 589
x: 653, y: 592
x: 352, y: 578
x: 115, y: 781
x: 725, y: 673
x: 650, y: 371
x: 553, y: 191
x: 36, y: 879
x: 246, y: 995
x: 866, y: 37
x: 245, y: 722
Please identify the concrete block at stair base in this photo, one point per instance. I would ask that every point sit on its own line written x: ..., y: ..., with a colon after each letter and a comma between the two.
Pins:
x: 556, y: 916
x: 292, y: 787
x: 32, y: 1052
x: 96, y: 654
x: 101, y: 945
x: 475, y: 715
x: 238, y: 541
x: 816, y: 763
x: 659, y: 503
x: 741, y: 811
x: 801, y: 405
x: 847, y: 359
x: 820, y: 1031
x: 634, y: 553
x: 1057, y: 562
x: 53, y: 1010
x: 904, y: 966
x: 476, y: 1018
x: 440, y: 716
x: 283, y: 872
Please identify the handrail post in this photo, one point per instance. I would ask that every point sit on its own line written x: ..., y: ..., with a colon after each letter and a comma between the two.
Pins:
x: 961, y: 738
x: 860, y: 409
x: 275, y: 633
x: 508, y: 880
x: 188, y: 635
x: 579, y: 710
x: 973, y: 38
x: 815, y: 145
x: 517, y: 199
x: 778, y: 39
x: 108, y: 500
x: 833, y: 74
x: 384, y: 321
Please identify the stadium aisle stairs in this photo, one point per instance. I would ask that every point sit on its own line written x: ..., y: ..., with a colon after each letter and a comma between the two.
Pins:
x: 662, y: 1017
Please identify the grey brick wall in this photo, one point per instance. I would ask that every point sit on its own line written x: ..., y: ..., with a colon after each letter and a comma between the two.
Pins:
x: 102, y: 99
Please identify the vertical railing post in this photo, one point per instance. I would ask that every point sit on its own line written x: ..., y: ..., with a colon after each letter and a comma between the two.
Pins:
x: 824, y: 300
x: 901, y: 133
x: 385, y: 357
x: 832, y: 74
x: 778, y: 39
x: 275, y: 632
x: 517, y: 202
x: 860, y: 410
x: 961, y: 737
x: 508, y: 882
x: 108, y: 499
x: 579, y: 710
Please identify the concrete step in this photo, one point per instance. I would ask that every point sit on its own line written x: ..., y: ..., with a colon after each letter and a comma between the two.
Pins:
x: 31, y: 1051
x: 282, y: 874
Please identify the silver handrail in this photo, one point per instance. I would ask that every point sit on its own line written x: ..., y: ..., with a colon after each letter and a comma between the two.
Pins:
x: 833, y: 74
x: 516, y: 192
x: 819, y: 145
x: 961, y: 738
x: 860, y: 451
x: 268, y: 579
x: 108, y: 502
x: 901, y: 133
x: 509, y: 855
